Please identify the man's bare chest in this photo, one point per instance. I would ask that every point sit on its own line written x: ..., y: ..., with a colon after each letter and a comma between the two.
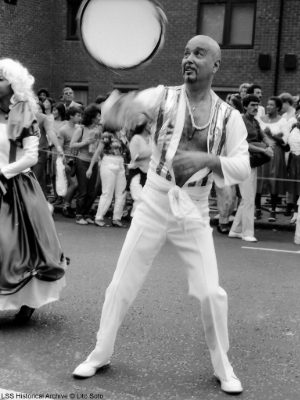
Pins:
x: 193, y: 139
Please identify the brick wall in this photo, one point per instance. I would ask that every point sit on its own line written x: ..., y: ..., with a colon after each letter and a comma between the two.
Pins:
x: 35, y: 33
x: 25, y: 35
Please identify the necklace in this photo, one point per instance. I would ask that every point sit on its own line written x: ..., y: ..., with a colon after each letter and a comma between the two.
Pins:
x: 196, y: 127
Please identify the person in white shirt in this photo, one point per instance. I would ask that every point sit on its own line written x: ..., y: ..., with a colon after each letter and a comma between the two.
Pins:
x: 140, y: 147
x: 68, y: 98
x: 273, y: 172
x: 293, y: 167
x: 288, y: 112
x: 197, y: 138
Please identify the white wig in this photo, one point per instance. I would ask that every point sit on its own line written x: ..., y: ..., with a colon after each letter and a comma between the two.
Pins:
x: 20, y: 80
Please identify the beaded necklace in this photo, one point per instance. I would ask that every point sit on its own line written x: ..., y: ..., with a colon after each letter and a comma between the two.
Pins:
x: 196, y: 127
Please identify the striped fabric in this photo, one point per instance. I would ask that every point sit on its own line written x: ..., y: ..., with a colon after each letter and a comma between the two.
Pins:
x: 169, y: 125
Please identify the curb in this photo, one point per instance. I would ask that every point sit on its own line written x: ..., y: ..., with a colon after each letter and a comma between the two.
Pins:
x: 265, y: 225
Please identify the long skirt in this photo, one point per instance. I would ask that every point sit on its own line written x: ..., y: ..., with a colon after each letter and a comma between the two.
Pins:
x: 272, y: 170
x: 32, y: 264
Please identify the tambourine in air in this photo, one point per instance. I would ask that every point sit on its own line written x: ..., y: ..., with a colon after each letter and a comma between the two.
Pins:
x: 121, y: 34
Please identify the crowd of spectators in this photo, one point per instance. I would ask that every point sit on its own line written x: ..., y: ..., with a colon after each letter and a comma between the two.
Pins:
x: 101, y: 163
x: 98, y: 160
x: 274, y: 147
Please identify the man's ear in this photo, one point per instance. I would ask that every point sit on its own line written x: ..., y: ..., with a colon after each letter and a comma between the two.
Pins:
x: 216, y: 67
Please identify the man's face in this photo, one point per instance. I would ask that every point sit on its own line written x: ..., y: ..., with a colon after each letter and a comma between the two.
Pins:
x: 199, y: 61
x: 5, y: 88
x: 252, y: 108
x: 258, y: 93
x: 68, y: 94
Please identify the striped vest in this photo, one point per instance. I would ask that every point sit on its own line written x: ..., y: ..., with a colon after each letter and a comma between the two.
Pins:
x: 169, y: 126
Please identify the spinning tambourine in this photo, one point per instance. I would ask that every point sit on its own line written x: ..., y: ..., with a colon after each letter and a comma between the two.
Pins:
x: 121, y: 34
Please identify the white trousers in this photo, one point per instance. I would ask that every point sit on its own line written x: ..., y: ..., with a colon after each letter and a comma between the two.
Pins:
x: 113, y: 182
x: 135, y: 191
x: 226, y: 197
x: 163, y: 215
x: 244, y: 218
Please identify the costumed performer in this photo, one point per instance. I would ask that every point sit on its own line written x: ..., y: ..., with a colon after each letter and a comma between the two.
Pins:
x: 197, y: 138
x: 32, y: 265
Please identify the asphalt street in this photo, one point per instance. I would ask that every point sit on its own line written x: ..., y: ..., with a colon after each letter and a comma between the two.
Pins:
x: 160, y: 351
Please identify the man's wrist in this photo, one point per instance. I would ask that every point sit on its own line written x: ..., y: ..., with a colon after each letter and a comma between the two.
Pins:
x: 212, y: 161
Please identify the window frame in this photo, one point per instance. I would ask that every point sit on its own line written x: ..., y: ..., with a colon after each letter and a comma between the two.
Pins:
x: 228, y: 15
x: 71, y: 3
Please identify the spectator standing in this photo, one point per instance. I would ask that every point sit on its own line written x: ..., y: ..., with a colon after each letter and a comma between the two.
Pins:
x: 68, y: 98
x: 226, y: 196
x: 112, y: 174
x: 85, y: 141
x: 275, y: 127
x: 140, y: 151
x: 65, y: 135
x: 44, y: 97
x: 257, y: 91
x: 288, y: 110
x: 59, y: 119
x: 243, y: 89
x: 236, y: 102
x: 289, y: 114
x: 46, y: 133
x: 293, y: 169
x: 243, y: 224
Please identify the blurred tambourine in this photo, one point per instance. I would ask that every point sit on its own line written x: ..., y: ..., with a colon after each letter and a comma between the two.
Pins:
x: 121, y: 34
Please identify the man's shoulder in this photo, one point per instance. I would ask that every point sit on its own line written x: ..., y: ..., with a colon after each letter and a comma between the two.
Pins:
x: 75, y: 104
x: 173, y: 88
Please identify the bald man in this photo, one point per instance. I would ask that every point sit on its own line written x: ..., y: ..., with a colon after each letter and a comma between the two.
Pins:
x: 197, y: 138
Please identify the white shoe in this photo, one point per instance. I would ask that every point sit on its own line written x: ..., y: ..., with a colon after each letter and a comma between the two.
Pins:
x: 99, y: 222
x: 232, y: 385
x: 86, y: 370
x: 249, y: 239
x: 81, y: 221
x: 50, y: 207
x: 233, y: 234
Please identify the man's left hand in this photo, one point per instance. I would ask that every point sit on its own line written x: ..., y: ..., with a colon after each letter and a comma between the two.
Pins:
x: 187, y: 163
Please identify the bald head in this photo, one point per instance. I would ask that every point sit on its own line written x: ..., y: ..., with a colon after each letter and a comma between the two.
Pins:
x: 207, y: 43
x: 201, y: 60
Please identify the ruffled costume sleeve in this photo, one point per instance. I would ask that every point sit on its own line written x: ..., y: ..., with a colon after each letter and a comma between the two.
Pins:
x: 234, y: 159
x: 23, y: 132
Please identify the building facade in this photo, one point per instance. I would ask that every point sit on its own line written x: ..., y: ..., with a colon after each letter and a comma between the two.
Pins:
x: 258, y: 40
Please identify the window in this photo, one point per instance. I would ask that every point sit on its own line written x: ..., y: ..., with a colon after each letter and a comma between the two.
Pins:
x: 230, y: 22
x: 72, y: 10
